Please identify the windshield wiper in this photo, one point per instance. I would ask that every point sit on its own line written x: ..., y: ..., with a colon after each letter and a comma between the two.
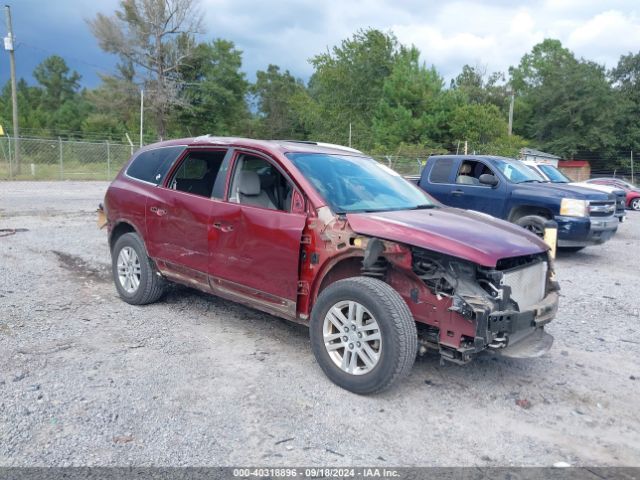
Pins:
x: 529, y: 181
x: 424, y: 206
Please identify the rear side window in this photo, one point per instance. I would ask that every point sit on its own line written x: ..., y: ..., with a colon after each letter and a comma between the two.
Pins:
x: 151, y: 166
x: 441, y: 171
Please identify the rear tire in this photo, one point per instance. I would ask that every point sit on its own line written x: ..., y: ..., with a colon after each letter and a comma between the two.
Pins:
x: 635, y: 204
x: 533, y: 223
x: 363, y: 335
x: 134, y: 275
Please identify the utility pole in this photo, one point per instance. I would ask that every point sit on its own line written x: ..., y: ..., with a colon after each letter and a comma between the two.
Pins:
x: 349, y: 134
x: 9, y: 46
x: 511, y: 112
x: 141, y: 114
x: 632, y: 167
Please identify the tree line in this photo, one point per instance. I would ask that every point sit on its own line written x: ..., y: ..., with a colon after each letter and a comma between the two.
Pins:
x: 370, y: 90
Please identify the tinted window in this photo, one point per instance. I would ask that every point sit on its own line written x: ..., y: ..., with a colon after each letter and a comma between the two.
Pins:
x: 555, y: 175
x: 151, y: 166
x: 441, y: 171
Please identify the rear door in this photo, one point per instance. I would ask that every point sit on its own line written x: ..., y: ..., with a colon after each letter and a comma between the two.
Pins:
x: 255, y: 240
x: 179, y: 215
x: 437, y: 178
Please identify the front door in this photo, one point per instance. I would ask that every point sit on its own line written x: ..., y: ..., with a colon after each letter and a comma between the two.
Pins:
x: 470, y: 194
x: 255, y: 240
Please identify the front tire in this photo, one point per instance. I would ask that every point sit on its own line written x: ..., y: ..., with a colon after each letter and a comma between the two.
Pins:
x: 363, y: 335
x: 133, y: 273
x: 533, y: 223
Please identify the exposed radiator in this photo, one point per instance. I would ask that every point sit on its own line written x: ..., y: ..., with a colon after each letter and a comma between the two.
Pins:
x: 527, y: 284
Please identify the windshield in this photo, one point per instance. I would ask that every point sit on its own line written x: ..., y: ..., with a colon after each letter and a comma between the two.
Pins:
x: 358, y: 184
x: 517, y: 172
x: 555, y: 175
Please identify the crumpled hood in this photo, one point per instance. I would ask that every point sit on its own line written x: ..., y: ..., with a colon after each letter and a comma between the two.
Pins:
x: 473, y: 236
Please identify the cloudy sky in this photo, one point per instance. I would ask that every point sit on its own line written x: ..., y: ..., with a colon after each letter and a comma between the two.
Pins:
x: 491, y: 33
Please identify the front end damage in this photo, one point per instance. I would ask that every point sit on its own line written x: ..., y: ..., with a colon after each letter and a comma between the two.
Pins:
x: 503, y: 309
x: 460, y: 307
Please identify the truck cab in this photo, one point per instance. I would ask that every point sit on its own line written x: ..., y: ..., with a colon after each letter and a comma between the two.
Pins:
x: 507, y: 189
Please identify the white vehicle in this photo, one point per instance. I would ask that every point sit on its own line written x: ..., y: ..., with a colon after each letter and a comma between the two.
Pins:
x: 553, y: 175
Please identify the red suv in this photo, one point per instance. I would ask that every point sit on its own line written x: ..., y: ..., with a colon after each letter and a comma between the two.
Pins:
x: 327, y: 237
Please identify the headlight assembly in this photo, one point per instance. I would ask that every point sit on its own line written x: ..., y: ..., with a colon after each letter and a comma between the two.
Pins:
x: 572, y: 207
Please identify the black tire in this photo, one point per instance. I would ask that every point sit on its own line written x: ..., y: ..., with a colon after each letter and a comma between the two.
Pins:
x: 533, y: 223
x: 151, y: 285
x: 570, y: 249
x: 635, y: 204
x: 397, y: 328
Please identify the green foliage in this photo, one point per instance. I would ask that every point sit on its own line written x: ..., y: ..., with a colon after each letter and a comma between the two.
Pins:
x: 281, y: 101
x: 214, y: 91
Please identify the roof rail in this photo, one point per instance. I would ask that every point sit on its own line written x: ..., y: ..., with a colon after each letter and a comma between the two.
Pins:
x: 323, y: 144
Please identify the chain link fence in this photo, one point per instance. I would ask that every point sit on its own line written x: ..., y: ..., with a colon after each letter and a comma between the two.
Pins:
x: 51, y: 159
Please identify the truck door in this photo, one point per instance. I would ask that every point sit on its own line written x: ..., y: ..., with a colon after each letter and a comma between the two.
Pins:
x: 467, y: 192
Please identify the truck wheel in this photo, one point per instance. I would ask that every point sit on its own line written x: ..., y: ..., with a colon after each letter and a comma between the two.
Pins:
x: 133, y: 273
x: 363, y: 334
x: 570, y: 249
x: 635, y: 204
x: 533, y: 223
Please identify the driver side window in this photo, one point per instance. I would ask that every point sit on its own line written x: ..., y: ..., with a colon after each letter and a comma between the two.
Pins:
x: 470, y: 171
x: 258, y: 183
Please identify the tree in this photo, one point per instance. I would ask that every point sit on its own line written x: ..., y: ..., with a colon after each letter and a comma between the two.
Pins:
x: 157, y: 36
x: 410, y: 110
x: 478, y: 87
x: 567, y: 104
x: 214, y: 91
x: 347, y: 85
x: 279, y: 95
x: 626, y: 85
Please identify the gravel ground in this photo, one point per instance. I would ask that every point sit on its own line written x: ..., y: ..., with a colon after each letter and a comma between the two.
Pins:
x: 86, y: 379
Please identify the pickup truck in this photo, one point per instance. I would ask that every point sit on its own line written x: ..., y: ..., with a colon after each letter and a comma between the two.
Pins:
x: 552, y: 174
x: 507, y: 189
x: 327, y: 237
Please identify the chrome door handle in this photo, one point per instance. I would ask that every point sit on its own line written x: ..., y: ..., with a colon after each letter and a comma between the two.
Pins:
x: 457, y: 192
x: 223, y: 227
x: 158, y: 211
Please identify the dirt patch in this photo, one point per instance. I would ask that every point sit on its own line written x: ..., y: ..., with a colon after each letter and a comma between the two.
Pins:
x: 75, y: 264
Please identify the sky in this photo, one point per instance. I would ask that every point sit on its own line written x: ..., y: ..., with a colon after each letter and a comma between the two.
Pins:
x: 492, y: 34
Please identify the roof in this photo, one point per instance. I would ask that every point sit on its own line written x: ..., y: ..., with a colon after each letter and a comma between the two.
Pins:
x: 573, y: 163
x: 283, y: 146
x: 537, y: 153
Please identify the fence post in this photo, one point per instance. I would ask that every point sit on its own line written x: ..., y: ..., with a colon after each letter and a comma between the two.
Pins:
x: 108, y: 161
x: 10, y: 162
x: 61, y: 164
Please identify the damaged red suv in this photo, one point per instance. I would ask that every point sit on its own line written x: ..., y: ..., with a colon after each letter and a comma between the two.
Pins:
x: 327, y: 237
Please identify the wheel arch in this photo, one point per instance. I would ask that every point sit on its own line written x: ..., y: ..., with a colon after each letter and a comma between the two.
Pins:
x: 524, y: 210
x: 120, y: 228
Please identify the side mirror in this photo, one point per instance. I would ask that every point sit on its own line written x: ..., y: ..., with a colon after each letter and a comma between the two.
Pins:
x: 488, y: 179
x: 297, y: 202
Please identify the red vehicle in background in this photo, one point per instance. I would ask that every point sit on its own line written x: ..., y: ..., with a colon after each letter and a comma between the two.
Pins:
x: 327, y: 237
x: 633, y: 192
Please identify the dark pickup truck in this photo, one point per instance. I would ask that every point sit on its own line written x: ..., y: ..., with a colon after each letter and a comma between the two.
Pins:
x: 504, y: 188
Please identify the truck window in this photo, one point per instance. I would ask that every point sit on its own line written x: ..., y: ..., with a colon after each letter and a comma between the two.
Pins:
x: 470, y: 171
x: 152, y: 165
x: 197, y: 172
x: 441, y: 170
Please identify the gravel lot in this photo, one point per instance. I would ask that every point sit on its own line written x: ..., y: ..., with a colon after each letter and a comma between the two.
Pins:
x: 86, y: 379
